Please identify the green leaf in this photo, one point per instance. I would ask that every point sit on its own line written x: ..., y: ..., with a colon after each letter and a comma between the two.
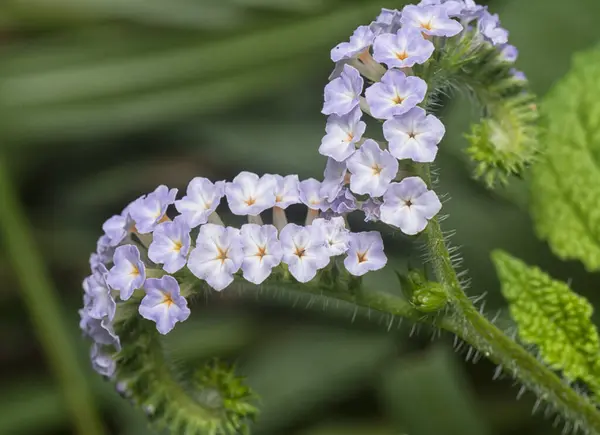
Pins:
x: 552, y: 317
x: 565, y: 187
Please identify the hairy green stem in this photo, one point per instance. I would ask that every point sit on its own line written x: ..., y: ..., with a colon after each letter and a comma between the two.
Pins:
x: 470, y: 325
x: 45, y: 311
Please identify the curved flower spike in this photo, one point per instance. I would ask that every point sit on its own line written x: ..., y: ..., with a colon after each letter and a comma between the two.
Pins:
x: 163, y: 303
x: 408, y: 205
x: 128, y: 273
x: 201, y: 200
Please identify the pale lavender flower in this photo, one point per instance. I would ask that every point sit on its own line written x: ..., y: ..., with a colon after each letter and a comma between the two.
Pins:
x: 372, y: 169
x: 170, y: 244
x: 128, y: 273
x: 100, y: 303
x: 217, y: 256
x: 334, y: 176
x: 249, y: 194
x: 101, y: 331
x: 310, y: 195
x: 372, y: 209
x: 431, y: 20
x: 102, y: 361
x: 365, y: 253
x: 388, y: 21
x: 287, y: 190
x: 343, y: 132
x: 262, y: 251
x: 343, y: 93
x: 472, y: 10
x: 361, y: 40
x: 489, y: 27
x: 163, y: 303
x: 117, y: 227
x: 403, y: 49
x: 453, y: 8
x: 414, y: 135
x: 518, y: 75
x: 304, y: 251
x: 395, y: 95
x: 509, y: 53
x: 335, y: 234
x: 104, y: 253
x: 147, y: 211
x: 201, y: 200
x: 344, y: 202
x: 409, y: 205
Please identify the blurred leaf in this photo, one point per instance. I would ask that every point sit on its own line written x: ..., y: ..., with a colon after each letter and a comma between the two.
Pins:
x: 552, y: 317
x: 428, y: 394
x: 301, y: 369
x: 350, y: 428
x: 566, y: 183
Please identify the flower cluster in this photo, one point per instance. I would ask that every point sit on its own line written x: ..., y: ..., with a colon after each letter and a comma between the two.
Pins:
x: 386, y: 53
x: 144, y: 250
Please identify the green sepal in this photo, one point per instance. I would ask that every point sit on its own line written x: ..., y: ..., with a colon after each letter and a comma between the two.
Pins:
x: 425, y: 296
x: 552, y: 317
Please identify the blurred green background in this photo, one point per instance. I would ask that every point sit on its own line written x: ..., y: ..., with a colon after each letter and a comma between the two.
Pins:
x: 102, y: 100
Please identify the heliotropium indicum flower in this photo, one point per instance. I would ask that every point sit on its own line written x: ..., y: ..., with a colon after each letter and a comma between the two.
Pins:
x: 262, y: 251
x: 414, y: 135
x: 372, y: 209
x: 334, y: 176
x: 395, y: 95
x: 509, y: 53
x: 343, y: 93
x: 365, y: 253
x: 249, y: 194
x: 304, y: 251
x: 489, y: 27
x: 101, y: 331
x: 201, y: 200
x: 147, y: 211
x: 163, y: 303
x: 403, y: 49
x: 102, y: 361
x: 310, y: 195
x: 361, y: 40
x: 343, y: 132
x: 117, y: 227
x: 335, y: 234
x: 453, y: 8
x: 217, y: 255
x: 170, y: 244
x: 287, y: 190
x: 372, y: 169
x: 409, y: 205
x: 388, y: 21
x: 431, y: 20
x: 344, y: 202
x: 101, y: 303
x: 128, y: 273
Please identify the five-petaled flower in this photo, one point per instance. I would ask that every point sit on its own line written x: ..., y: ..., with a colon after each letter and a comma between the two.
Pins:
x: 304, y: 251
x: 409, y: 205
x: 343, y: 133
x: 217, y: 256
x: 403, y: 49
x: 147, y: 211
x: 395, y: 95
x: 163, y: 303
x: 431, y: 20
x: 128, y: 273
x: 287, y: 190
x: 342, y: 94
x: 262, y: 251
x: 97, y: 292
x: 365, y: 253
x: 310, y: 195
x: 335, y: 234
x: 372, y: 169
x: 414, y: 135
x: 360, y: 41
x: 170, y: 244
x: 201, y: 200
x: 249, y: 194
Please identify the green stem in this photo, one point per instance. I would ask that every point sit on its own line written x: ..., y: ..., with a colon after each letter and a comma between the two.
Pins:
x: 470, y: 325
x: 45, y: 310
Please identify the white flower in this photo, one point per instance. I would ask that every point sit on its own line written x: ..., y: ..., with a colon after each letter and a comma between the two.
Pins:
x: 343, y: 132
x: 248, y: 194
x: 310, y: 195
x: 333, y: 181
x: 408, y: 205
x: 217, y: 255
x: 287, y: 189
x: 262, y: 251
x: 365, y: 253
x: 414, y: 135
x: 170, y: 244
x: 360, y: 41
x: 201, y: 200
x: 372, y: 169
x: 304, y: 251
x: 335, y: 234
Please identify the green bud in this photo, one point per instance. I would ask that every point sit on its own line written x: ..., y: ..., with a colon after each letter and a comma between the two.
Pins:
x: 430, y: 298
